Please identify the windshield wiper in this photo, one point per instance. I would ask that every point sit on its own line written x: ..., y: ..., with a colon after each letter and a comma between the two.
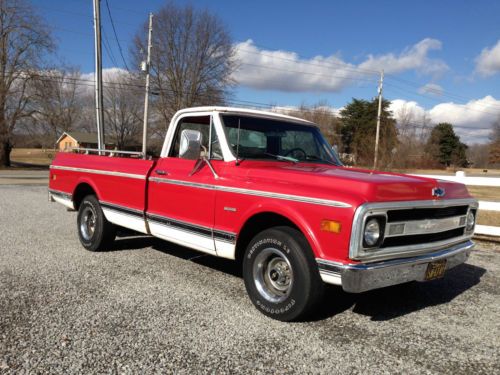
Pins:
x: 284, y: 158
x: 317, y: 158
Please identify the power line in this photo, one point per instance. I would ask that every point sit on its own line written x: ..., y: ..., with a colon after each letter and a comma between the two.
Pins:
x: 436, y: 91
x: 325, y: 65
x: 107, y: 48
x: 308, y: 73
x: 79, y: 14
x: 238, y: 102
x: 116, y: 36
x: 401, y: 89
x: 458, y: 98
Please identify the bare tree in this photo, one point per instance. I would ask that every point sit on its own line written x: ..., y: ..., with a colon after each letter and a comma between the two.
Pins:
x: 192, y: 59
x: 323, y: 115
x: 123, y: 106
x: 413, y: 133
x: 57, y: 102
x: 478, y: 155
x: 24, y: 39
x: 494, y: 147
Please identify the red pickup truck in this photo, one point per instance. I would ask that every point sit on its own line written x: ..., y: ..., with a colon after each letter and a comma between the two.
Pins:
x: 268, y: 190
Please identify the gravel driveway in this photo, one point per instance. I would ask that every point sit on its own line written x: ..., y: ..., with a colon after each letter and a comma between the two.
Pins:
x: 151, y: 306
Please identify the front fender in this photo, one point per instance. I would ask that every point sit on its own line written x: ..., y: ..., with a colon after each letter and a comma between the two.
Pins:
x: 290, y: 213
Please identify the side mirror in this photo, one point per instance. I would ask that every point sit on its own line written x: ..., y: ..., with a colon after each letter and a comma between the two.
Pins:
x: 190, y: 145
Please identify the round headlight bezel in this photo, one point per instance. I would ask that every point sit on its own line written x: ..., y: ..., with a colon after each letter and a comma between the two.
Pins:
x: 376, y: 225
x: 470, y: 221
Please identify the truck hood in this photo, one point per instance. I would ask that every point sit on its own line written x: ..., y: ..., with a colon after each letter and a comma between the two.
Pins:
x: 355, y: 186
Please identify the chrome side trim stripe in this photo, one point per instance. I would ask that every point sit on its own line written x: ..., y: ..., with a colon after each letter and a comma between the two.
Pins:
x: 163, y: 220
x: 260, y: 193
x: 122, y: 209
x: 97, y: 171
x: 182, y: 183
x: 224, y: 236
x: 192, y: 228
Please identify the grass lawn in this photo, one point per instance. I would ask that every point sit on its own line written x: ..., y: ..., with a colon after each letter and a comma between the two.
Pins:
x: 472, y: 172
x: 489, y: 218
x: 32, y: 155
x: 485, y: 193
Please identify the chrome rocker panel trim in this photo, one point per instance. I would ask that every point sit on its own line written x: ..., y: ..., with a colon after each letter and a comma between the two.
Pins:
x: 360, y: 277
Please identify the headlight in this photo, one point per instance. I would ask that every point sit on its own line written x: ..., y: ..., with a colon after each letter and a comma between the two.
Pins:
x: 471, y: 221
x: 373, y: 233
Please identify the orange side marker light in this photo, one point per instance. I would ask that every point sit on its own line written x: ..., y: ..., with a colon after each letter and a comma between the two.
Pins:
x: 331, y: 226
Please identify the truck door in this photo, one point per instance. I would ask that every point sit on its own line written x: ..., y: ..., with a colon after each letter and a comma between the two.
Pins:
x: 181, y: 203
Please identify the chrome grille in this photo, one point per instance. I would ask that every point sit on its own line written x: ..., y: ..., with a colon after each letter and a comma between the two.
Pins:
x: 425, y: 213
x: 411, y: 228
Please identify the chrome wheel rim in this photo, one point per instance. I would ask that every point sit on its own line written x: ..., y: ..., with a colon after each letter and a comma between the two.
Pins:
x: 273, y: 275
x: 88, y: 223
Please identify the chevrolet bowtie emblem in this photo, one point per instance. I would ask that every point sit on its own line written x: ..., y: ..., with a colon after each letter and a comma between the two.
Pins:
x: 438, y: 192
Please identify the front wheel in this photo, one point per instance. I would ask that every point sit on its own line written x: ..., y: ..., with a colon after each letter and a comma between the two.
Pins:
x: 96, y: 233
x: 281, y: 275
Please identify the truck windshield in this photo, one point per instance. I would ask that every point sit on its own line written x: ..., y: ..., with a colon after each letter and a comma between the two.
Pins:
x: 263, y: 138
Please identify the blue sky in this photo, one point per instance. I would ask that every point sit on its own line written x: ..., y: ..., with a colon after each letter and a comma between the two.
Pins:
x: 430, y: 51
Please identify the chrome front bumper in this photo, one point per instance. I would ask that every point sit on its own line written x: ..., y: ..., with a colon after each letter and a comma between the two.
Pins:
x: 360, y: 277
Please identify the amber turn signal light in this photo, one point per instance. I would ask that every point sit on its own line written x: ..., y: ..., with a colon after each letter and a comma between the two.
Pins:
x: 330, y: 226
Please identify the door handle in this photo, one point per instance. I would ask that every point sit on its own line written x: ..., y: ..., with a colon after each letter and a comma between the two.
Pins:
x: 161, y: 172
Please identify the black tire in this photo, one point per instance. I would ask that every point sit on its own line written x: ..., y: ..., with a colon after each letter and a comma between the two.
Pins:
x: 281, y: 275
x: 96, y: 233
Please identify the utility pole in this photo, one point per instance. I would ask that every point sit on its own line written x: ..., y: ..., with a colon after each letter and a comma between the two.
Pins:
x: 98, y: 76
x: 146, y: 96
x: 379, y: 115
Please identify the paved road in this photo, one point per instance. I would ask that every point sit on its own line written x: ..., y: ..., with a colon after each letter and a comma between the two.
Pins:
x: 24, y: 177
x: 150, y: 306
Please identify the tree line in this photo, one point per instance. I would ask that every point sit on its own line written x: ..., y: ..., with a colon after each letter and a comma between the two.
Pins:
x: 192, y: 64
x: 411, y: 142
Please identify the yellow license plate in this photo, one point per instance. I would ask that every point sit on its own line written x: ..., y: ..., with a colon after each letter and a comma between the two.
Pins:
x: 435, y: 270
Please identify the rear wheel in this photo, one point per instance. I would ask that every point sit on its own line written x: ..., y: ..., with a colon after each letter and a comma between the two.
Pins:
x: 96, y: 233
x: 281, y: 275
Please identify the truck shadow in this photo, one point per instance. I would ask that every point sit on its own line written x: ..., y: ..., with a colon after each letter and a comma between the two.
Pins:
x: 399, y: 300
x: 381, y: 304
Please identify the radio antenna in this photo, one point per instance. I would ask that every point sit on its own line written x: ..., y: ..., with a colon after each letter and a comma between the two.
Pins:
x: 238, y: 143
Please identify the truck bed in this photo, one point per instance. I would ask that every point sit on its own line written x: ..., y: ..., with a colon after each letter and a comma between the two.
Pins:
x: 118, y: 181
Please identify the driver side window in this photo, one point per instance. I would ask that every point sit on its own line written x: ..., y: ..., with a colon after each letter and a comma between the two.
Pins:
x: 201, y: 124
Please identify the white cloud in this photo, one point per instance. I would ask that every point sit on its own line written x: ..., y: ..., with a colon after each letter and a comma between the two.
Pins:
x: 431, y: 88
x: 472, y: 120
x: 286, y: 71
x: 412, y: 58
x: 488, y: 62
x: 108, y: 74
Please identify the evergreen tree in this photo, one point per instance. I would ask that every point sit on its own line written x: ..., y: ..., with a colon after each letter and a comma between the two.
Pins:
x: 358, y: 129
x: 445, y: 146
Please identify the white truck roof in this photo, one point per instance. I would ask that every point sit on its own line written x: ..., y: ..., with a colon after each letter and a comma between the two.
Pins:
x: 239, y: 110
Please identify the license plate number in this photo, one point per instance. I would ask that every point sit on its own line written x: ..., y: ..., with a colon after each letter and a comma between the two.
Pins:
x: 435, y: 270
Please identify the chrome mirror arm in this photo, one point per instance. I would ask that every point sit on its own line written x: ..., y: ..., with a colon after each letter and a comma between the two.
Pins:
x: 206, y: 160
x: 200, y: 161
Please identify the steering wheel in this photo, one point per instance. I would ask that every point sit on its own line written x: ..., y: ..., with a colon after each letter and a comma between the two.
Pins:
x: 297, y: 149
